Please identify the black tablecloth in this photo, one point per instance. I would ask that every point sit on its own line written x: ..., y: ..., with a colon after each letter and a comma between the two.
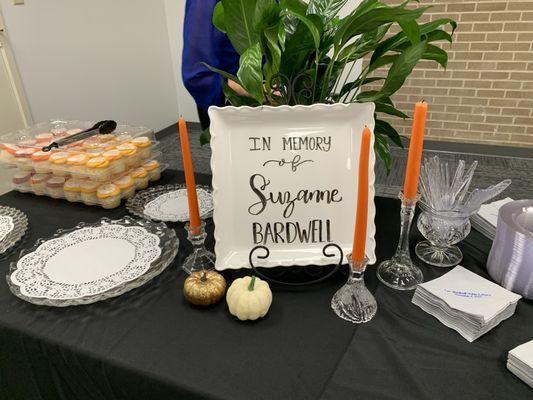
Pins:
x: 151, y: 344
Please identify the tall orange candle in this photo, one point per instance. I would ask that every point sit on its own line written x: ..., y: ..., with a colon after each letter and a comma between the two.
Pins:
x: 359, y: 238
x: 190, y: 182
x: 412, y: 171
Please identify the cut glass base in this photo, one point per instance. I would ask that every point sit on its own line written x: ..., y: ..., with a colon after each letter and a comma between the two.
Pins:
x: 438, y: 256
x: 400, y: 275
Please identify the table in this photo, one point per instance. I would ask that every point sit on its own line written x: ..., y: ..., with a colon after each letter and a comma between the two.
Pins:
x: 151, y: 344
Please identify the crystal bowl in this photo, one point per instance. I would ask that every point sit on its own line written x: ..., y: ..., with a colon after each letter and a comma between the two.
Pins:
x: 443, y: 230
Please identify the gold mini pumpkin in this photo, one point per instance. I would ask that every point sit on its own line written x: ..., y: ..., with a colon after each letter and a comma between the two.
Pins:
x: 203, y: 288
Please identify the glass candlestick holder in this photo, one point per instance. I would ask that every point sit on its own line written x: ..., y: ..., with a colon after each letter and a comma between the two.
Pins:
x: 200, y: 258
x: 353, y: 302
x: 399, y: 272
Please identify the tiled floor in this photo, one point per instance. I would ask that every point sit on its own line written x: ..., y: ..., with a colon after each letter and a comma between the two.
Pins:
x: 491, y: 168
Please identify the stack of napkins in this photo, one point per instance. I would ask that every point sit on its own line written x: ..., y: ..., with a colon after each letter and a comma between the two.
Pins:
x: 520, y: 362
x: 466, y: 302
x: 487, y: 217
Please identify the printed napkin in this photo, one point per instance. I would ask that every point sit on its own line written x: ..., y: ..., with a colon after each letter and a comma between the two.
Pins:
x: 520, y: 362
x: 466, y: 302
x: 486, y: 219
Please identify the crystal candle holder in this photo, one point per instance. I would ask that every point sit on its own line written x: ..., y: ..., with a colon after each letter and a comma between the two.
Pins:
x: 399, y: 272
x: 353, y: 302
x: 200, y: 258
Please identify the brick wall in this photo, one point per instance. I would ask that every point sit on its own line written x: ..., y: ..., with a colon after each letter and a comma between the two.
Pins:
x: 486, y: 93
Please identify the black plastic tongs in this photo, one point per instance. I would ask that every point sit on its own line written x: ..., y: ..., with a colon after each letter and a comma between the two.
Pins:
x: 100, y: 128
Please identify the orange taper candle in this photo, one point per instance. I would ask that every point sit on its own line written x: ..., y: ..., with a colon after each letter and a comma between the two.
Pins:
x: 359, y: 238
x: 412, y: 170
x: 190, y: 182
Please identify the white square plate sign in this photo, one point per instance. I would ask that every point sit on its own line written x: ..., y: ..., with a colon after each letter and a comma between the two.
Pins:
x: 286, y: 178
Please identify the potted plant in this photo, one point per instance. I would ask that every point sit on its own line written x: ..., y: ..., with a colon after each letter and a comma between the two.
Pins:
x: 293, y: 52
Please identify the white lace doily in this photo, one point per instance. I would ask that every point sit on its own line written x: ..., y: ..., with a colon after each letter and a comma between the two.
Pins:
x: 6, y: 226
x: 86, y: 262
x: 173, y: 206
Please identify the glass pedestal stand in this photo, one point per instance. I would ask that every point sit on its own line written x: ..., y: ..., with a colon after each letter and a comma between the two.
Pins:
x: 399, y: 272
x: 200, y: 258
x: 354, y: 302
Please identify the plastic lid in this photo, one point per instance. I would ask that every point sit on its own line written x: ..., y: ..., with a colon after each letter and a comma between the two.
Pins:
x: 59, y: 158
x: 21, y: 177
x: 55, y: 182
x: 89, y: 186
x: 78, y: 159
x: 27, y: 142
x: 98, y: 162
x: 44, y: 137
x: 72, y: 185
x: 107, y: 190
x: 38, y: 178
x: 112, y: 154
x: 10, y: 148
x: 142, y: 141
x: 138, y: 173
x: 41, y: 155
x: 125, y: 182
x: 25, y: 153
x: 106, y: 138
x: 91, y: 145
x: 127, y: 149
x: 58, y: 131
x: 151, y: 165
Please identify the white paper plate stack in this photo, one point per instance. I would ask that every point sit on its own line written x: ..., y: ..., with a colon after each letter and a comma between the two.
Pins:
x: 520, y: 362
x: 486, y: 219
x: 466, y: 302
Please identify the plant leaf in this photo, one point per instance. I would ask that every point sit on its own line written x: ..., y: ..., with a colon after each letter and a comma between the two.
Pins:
x: 425, y: 30
x: 435, y: 53
x: 272, y: 51
x: 239, y: 23
x: 438, y: 34
x: 297, y: 6
x: 205, y: 136
x: 384, y: 60
x: 314, y: 28
x: 381, y: 146
x: 364, y: 45
x: 266, y: 14
x: 289, y: 21
x: 411, y: 30
x: 358, y: 23
x: 384, y: 128
x: 401, y: 68
x: 326, y: 9
x: 366, y: 97
x: 235, y: 99
x: 348, y: 87
x: 224, y: 74
x: 389, y: 109
x: 250, y: 72
x: 299, y: 47
x: 218, y: 17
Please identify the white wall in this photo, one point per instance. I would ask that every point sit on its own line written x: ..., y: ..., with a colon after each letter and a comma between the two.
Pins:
x: 98, y: 59
x: 95, y: 59
x: 175, y: 11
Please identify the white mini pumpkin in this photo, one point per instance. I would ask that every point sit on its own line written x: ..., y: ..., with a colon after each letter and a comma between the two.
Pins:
x: 249, y: 298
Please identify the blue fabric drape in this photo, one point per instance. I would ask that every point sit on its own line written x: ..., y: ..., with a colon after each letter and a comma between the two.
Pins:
x: 202, y: 42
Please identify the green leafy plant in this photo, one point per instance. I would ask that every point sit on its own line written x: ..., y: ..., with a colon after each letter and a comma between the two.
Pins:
x: 293, y: 52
